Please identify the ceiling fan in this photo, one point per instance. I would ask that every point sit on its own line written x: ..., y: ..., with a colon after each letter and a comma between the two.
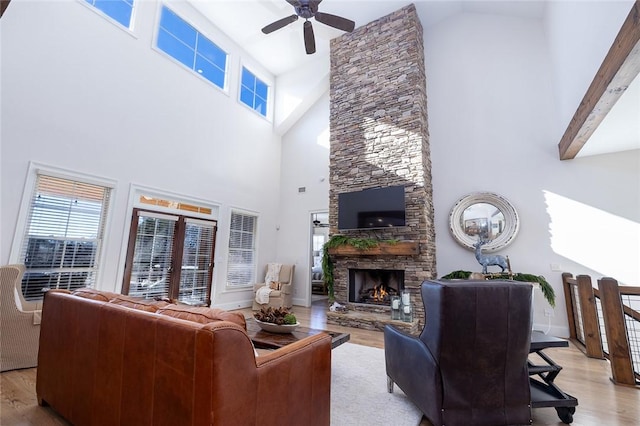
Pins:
x: 309, y: 9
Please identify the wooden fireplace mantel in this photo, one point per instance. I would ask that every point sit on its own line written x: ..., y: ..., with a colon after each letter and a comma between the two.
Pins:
x: 400, y: 248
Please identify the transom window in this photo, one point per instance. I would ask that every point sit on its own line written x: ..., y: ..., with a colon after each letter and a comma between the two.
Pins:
x: 242, y: 250
x: 188, y: 46
x: 119, y: 10
x: 254, y: 92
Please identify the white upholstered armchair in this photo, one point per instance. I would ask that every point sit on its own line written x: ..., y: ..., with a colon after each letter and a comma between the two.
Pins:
x: 20, y: 321
x: 281, y: 295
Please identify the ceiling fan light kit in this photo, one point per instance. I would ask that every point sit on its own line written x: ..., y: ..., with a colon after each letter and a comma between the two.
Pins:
x: 307, y: 9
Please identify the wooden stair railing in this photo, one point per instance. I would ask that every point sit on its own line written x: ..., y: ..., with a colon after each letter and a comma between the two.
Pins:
x: 615, y: 322
x: 621, y: 323
x: 584, y: 326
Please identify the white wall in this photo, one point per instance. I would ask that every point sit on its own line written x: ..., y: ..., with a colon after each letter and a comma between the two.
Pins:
x: 305, y: 161
x: 579, y: 34
x: 82, y: 94
x: 493, y: 112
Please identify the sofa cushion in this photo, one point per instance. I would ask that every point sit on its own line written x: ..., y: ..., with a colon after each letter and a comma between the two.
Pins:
x: 202, y: 314
x: 148, y: 305
x: 92, y: 293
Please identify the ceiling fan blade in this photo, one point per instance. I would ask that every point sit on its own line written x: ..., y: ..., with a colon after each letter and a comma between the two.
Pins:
x: 293, y: 3
x: 335, y: 21
x: 279, y: 24
x: 309, y: 38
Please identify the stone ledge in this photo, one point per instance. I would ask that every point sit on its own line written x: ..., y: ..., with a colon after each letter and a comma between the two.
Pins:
x: 371, y: 321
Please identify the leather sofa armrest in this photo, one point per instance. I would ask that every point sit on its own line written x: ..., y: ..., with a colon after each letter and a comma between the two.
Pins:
x: 285, y: 353
x: 412, y: 366
x: 299, y: 374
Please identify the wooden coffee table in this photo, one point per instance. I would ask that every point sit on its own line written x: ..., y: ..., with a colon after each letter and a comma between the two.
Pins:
x: 266, y: 340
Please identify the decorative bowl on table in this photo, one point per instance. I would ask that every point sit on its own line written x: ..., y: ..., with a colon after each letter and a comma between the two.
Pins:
x: 276, y: 320
x: 276, y: 328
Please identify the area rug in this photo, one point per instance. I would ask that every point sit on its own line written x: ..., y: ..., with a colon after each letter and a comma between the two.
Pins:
x: 359, y: 390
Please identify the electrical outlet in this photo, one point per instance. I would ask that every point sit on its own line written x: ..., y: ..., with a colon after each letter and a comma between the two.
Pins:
x: 548, y: 312
x: 555, y: 267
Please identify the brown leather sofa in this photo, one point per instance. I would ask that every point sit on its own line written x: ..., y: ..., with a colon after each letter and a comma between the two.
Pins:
x: 107, y: 359
x: 469, y: 364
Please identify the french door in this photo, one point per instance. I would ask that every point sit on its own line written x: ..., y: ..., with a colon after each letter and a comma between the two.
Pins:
x: 170, y: 256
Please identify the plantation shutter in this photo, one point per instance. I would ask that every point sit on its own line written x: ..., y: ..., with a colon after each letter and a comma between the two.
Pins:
x: 64, y: 234
x: 242, y: 263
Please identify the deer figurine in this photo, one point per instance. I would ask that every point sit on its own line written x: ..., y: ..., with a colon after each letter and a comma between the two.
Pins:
x: 489, y: 260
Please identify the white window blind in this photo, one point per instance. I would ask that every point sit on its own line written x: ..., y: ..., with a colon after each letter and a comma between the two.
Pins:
x: 197, y: 264
x: 151, y: 263
x: 242, y: 253
x: 63, y: 236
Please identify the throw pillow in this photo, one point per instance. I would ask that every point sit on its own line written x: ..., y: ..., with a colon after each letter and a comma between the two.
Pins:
x: 274, y: 285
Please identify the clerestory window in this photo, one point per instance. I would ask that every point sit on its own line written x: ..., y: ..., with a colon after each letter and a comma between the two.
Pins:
x: 254, y: 92
x: 188, y: 46
x: 118, y: 10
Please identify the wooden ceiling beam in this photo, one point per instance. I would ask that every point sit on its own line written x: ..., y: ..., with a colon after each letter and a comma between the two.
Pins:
x: 619, y: 68
x: 3, y: 6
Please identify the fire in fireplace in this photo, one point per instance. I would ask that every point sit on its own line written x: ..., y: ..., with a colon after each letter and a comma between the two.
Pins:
x: 374, y: 286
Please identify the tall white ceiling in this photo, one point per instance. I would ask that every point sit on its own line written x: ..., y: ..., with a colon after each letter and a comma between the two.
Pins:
x: 283, y: 50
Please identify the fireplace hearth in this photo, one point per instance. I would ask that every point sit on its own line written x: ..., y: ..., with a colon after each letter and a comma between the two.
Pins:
x: 374, y: 286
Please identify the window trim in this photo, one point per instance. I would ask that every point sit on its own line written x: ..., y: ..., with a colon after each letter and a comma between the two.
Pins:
x: 207, y: 34
x: 129, y: 30
x: 232, y: 288
x: 137, y: 190
x: 34, y: 169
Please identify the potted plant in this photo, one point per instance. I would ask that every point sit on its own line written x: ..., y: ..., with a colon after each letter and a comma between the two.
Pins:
x: 546, y: 288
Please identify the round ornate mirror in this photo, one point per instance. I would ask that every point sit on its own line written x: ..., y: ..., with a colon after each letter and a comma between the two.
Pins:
x: 484, y: 215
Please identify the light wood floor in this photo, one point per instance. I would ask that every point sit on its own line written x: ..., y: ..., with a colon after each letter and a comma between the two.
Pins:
x: 600, y: 401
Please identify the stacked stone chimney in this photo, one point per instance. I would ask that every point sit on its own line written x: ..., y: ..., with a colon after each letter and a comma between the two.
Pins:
x: 380, y: 138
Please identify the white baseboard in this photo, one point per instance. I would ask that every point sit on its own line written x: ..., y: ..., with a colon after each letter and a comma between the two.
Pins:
x: 233, y: 305
x: 552, y: 330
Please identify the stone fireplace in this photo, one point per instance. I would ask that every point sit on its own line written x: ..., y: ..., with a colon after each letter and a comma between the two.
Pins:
x: 379, y: 138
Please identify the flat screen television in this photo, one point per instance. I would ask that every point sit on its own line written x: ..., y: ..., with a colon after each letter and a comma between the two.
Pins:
x: 372, y: 208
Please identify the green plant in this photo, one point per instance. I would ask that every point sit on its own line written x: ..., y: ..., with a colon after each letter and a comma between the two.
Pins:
x: 546, y: 288
x: 290, y: 319
x: 337, y: 241
x: 278, y: 316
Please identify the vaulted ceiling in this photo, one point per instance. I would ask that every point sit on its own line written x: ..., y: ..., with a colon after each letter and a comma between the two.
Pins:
x: 283, y: 51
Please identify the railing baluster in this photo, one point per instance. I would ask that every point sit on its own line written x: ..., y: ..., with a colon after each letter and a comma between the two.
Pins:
x: 617, y: 339
x: 567, y: 282
x: 590, y: 323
